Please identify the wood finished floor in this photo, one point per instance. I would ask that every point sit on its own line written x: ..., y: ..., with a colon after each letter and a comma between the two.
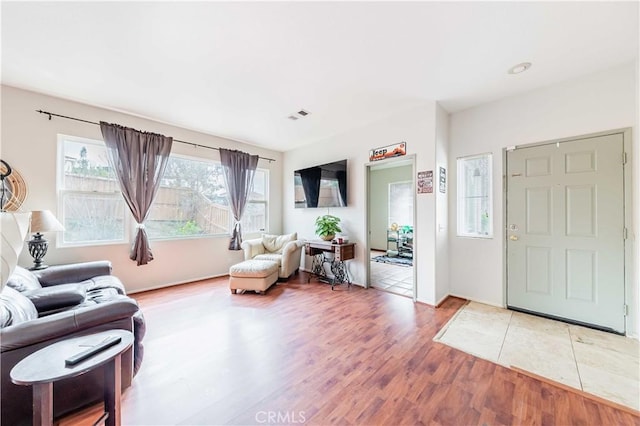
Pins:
x: 305, y: 354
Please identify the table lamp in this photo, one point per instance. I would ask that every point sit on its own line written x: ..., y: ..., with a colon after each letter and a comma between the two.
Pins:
x: 41, y: 221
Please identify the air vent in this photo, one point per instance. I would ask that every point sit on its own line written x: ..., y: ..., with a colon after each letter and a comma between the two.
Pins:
x: 298, y: 114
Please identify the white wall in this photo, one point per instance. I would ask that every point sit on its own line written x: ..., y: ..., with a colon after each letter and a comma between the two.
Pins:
x: 417, y: 127
x: 29, y: 143
x: 442, y: 206
x: 593, y: 103
x: 635, y: 172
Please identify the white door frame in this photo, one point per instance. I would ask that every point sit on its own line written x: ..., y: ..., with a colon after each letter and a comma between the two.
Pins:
x: 628, y: 212
x: 367, y: 184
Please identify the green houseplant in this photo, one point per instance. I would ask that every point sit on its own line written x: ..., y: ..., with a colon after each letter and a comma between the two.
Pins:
x: 327, y: 226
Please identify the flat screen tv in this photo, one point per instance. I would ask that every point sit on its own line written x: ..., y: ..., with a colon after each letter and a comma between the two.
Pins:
x: 321, y: 186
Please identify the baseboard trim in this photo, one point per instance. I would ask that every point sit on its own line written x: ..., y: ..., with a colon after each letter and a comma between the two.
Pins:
x: 484, y: 302
x: 159, y: 286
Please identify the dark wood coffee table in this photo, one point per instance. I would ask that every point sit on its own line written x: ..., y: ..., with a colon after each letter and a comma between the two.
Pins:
x: 46, y: 366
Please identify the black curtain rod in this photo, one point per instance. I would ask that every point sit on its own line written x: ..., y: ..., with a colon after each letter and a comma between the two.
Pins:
x: 195, y: 145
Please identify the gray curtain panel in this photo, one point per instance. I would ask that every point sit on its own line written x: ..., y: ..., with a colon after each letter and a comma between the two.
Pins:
x: 139, y: 160
x: 239, y: 170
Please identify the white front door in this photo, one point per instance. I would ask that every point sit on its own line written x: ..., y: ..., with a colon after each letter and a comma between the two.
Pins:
x: 565, y: 225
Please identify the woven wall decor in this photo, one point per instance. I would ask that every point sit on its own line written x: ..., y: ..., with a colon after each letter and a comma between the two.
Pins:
x: 15, y: 189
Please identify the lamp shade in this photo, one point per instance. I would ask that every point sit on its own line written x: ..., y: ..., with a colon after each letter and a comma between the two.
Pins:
x: 14, y: 227
x: 44, y: 221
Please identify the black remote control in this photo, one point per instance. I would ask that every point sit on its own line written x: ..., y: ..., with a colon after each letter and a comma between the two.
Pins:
x: 81, y: 356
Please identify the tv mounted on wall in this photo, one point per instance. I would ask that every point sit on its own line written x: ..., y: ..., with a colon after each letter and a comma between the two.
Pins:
x: 321, y: 186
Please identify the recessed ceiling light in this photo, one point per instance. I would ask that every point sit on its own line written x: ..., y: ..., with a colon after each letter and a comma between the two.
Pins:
x: 517, y: 69
x: 292, y: 117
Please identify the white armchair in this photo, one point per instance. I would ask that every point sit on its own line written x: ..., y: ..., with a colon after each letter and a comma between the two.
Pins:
x: 284, y: 249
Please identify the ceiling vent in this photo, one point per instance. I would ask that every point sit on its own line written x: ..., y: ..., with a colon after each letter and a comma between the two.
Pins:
x: 298, y: 115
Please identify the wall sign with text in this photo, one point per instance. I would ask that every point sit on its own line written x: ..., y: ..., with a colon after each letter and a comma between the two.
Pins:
x: 443, y: 180
x: 425, y: 182
x: 388, y: 151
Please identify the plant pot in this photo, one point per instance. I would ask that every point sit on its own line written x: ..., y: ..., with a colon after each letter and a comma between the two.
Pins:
x: 328, y: 237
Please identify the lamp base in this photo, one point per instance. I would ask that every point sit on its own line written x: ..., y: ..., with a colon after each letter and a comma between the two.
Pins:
x: 38, y: 267
x: 37, y: 249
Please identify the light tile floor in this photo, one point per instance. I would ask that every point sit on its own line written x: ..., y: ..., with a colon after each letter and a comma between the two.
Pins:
x: 600, y: 363
x: 396, y: 279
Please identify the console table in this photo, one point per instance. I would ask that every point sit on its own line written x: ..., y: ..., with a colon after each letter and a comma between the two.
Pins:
x: 46, y: 366
x: 320, y: 251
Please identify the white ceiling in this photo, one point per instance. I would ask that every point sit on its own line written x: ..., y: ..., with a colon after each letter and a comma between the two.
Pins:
x: 238, y: 69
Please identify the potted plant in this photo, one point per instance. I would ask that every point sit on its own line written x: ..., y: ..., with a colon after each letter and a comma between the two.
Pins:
x: 327, y: 226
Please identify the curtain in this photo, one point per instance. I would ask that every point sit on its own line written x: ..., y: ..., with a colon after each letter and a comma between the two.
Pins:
x: 311, y: 185
x: 239, y: 170
x: 139, y: 160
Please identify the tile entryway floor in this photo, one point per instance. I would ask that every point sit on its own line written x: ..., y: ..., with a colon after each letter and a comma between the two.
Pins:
x: 599, y: 363
x: 396, y: 279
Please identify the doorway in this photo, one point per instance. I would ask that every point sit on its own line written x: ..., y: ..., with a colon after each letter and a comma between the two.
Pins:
x: 390, y: 222
x: 565, y: 216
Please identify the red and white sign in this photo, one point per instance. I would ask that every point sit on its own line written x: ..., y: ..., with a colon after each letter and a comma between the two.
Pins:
x: 425, y: 182
x: 388, y: 151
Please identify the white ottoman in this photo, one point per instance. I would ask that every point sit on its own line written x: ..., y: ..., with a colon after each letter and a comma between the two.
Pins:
x: 253, y: 274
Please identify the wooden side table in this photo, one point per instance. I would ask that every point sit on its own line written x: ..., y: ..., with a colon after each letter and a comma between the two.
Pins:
x: 341, y: 253
x: 46, y: 366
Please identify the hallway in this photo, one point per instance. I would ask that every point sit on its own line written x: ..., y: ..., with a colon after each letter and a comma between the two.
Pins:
x: 397, y: 279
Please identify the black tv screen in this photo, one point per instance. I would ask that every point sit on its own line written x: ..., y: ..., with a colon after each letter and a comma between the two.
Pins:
x: 321, y: 186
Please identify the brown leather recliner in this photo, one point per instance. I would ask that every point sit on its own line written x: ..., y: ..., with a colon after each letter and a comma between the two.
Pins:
x: 43, y: 307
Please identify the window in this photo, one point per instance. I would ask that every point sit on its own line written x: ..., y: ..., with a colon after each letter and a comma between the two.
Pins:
x: 474, y: 196
x: 401, y: 203
x: 92, y: 207
x: 192, y: 201
x: 255, y: 213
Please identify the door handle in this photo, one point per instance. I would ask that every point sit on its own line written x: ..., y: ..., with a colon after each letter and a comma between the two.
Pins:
x: 513, y: 237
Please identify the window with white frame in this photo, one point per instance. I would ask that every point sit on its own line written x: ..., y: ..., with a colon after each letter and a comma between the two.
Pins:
x: 401, y: 203
x: 255, y: 212
x: 92, y: 208
x: 475, y: 215
x: 192, y: 201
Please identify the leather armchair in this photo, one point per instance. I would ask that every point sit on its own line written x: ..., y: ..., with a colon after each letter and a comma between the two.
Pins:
x: 54, y: 304
x: 286, y: 250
